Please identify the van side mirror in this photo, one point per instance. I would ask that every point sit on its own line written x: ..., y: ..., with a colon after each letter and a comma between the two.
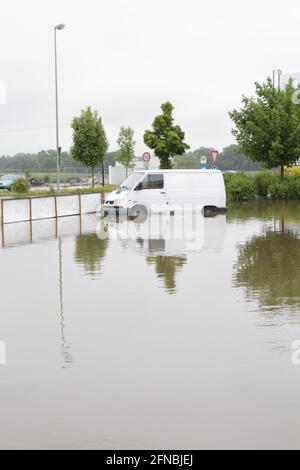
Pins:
x: 138, y: 186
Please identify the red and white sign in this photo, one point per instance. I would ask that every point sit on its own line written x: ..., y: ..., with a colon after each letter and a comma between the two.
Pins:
x: 146, y: 157
x: 214, y: 154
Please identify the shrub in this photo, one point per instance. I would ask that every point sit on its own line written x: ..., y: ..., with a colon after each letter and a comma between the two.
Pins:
x: 292, y: 185
x: 278, y: 190
x: 263, y: 180
x: 240, y: 187
x: 47, y: 179
x: 21, y: 186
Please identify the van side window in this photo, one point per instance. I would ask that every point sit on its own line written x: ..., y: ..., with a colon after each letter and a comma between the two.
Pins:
x: 154, y: 181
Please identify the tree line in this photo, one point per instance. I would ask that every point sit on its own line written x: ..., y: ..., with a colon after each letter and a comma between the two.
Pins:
x: 229, y: 159
x: 267, y: 131
x: 46, y: 160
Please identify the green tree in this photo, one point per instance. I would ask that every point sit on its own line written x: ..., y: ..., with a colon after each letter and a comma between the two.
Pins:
x: 90, y: 252
x: 231, y: 158
x: 166, y: 267
x: 187, y: 160
x: 89, y: 140
x: 267, y: 127
x: 166, y: 139
x: 126, y: 143
x: 268, y: 266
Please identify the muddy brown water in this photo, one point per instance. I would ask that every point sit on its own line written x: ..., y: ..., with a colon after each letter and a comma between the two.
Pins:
x: 121, y: 336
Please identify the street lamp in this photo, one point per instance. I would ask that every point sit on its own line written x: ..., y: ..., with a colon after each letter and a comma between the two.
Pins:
x: 58, y: 148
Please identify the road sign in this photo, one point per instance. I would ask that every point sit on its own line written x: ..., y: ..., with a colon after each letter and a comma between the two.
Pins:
x: 214, y: 154
x: 146, y: 157
x: 203, y: 162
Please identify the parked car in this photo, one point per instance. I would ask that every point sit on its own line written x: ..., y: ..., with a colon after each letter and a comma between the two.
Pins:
x: 72, y: 180
x: 36, y: 181
x: 166, y: 190
x: 7, y: 181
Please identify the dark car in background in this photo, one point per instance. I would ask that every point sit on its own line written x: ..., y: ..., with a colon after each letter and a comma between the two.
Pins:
x: 36, y: 182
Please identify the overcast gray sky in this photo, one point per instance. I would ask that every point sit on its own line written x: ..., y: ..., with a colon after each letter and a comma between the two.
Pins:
x: 125, y: 57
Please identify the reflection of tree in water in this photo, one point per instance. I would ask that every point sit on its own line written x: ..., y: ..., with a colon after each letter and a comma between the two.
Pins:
x: 269, y: 265
x: 90, y: 252
x: 166, y: 267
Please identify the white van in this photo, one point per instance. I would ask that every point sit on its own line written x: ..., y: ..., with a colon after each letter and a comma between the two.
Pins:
x: 155, y: 191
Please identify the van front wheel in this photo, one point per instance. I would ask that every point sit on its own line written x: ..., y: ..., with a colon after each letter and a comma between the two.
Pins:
x: 138, y: 213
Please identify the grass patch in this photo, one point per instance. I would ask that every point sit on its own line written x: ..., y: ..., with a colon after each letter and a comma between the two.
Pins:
x: 53, y: 192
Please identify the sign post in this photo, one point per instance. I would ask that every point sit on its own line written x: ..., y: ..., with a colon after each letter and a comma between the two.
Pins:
x: 203, y: 162
x: 214, y: 155
x: 146, y: 157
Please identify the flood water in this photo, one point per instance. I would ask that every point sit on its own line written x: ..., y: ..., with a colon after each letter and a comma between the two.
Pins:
x: 121, y: 337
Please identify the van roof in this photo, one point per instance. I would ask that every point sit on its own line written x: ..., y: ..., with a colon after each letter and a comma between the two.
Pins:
x: 178, y: 170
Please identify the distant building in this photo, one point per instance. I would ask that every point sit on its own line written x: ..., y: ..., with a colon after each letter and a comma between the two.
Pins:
x: 139, y: 164
x: 284, y: 78
x: 117, y: 173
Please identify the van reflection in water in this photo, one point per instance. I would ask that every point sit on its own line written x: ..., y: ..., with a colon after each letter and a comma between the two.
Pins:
x: 166, y: 240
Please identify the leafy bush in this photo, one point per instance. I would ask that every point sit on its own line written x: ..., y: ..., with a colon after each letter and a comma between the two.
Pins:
x: 289, y: 188
x: 292, y: 185
x: 242, y: 186
x: 21, y: 186
x: 278, y: 190
x: 263, y: 181
x: 239, y: 187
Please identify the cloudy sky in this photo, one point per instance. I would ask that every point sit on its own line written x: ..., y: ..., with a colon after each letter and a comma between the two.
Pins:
x: 125, y: 57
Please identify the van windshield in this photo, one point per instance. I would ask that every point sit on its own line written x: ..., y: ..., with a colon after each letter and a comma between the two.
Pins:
x: 131, y: 181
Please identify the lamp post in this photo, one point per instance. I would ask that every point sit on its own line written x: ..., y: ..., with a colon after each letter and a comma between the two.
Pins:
x: 58, y: 148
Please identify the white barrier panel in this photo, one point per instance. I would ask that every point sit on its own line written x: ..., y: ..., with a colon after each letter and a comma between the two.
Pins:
x: 68, y: 226
x: 28, y: 232
x: 16, y: 234
x: 36, y: 208
x: 90, y: 203
x: 15, y: 210
x: 43, y: 228
x: 67, y: 205
x: 89, y: 223
x: 43, y: 207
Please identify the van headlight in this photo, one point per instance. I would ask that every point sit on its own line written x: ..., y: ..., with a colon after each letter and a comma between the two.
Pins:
x: 118, y: 203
